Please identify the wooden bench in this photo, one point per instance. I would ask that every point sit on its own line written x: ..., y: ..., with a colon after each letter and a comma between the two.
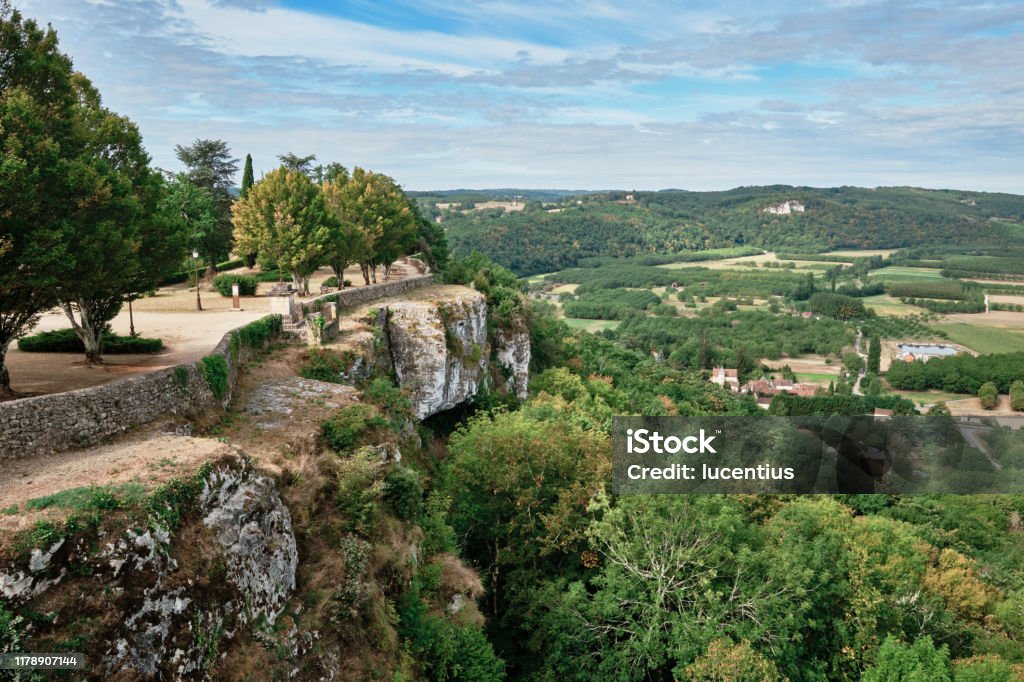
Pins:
x: 326, y: 289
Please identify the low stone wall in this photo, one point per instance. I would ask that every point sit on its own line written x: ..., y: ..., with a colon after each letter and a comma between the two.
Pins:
x: 62, y: 421
x: 349, y: 298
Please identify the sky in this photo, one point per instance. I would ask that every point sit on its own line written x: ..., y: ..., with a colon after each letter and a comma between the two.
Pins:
x: 573, y: 94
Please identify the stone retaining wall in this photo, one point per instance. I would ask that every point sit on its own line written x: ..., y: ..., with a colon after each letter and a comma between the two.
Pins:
x: 349, y: 298
x: 62, y: 421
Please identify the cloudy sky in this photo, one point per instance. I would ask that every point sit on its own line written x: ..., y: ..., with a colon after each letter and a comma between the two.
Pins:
x: 580, y: 94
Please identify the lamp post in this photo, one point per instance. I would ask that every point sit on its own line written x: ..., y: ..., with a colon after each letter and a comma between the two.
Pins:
x: 195, y: 260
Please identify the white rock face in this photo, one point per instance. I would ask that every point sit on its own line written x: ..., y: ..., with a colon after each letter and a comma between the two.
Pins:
x: 512, y: 351
x: 439, y: 350
x: 171, y: 625
x: 785, y: 208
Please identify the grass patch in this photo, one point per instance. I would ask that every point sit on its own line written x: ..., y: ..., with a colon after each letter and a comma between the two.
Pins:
x: 91, y: 498
x: 984, y: 339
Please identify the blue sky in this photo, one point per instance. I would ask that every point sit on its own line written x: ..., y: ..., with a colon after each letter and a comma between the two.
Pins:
x: 581, y: 94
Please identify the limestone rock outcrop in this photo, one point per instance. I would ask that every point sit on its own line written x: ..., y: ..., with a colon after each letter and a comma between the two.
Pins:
x: 443, y: 352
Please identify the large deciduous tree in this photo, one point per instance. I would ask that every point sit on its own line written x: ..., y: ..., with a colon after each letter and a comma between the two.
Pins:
x: 212, y: 167
x: 378, y: 207
x: 284, y: 219
x: 347, y: 243
x: 75, y: 190
x: 38, y: 147
x: 122, y: 244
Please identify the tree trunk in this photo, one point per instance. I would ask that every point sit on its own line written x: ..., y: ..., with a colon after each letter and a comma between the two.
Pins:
x: 92, y: 339
x: 387, y: 272
x: 5, y: 377
x: 366, y: 272
x: 250, y: 260
x: 211, y: 272
x: 305, y: 285
x: 297, y: 283
x: 90, y: 329
x: 373, y: 273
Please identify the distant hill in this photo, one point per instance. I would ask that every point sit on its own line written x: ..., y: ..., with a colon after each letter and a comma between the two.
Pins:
x: 557, y: 234
x: 500, y: 194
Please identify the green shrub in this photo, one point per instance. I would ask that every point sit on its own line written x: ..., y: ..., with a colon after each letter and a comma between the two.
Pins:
x: 359, y: 491
x: 988, y: 394
x: 403, y: 490
x: 390, y: 399
x: 342, y: 431
x: 325, y: 365
x: 246, y: 284
x: 332, y: 281
x: 443, y: 649
x: 215, y: 369
x: 1017, y: 396
x: 66, y: 341
x: 258, y: 334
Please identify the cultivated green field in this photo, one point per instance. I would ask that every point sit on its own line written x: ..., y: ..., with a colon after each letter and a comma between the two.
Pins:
x: 886, y: 305
x: 984, y: 339
x: 898, y: 272
x: 819, y: 378
x: 590, y: 325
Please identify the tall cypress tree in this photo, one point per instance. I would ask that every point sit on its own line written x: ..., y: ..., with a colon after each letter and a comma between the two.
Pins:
x: 875, y: 355
x: 247, y: 179
x: 247, y: 183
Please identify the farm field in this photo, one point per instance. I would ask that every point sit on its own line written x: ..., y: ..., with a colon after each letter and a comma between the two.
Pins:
x: 815, y: 378
x: 931, y: 397
x: 887, y: 305
x: 983, y: 338
x: 865, y: 253
x: 899, y: 272
x: 1006, y: 298
x: 590, y: 325
x: 724, y: 264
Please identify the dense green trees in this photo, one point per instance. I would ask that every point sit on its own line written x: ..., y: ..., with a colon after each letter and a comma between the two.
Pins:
x: 611, y: 304
x: 762, y: 334
x: 660, y: 223
x: 961, y: 373
x: 836, y: 306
